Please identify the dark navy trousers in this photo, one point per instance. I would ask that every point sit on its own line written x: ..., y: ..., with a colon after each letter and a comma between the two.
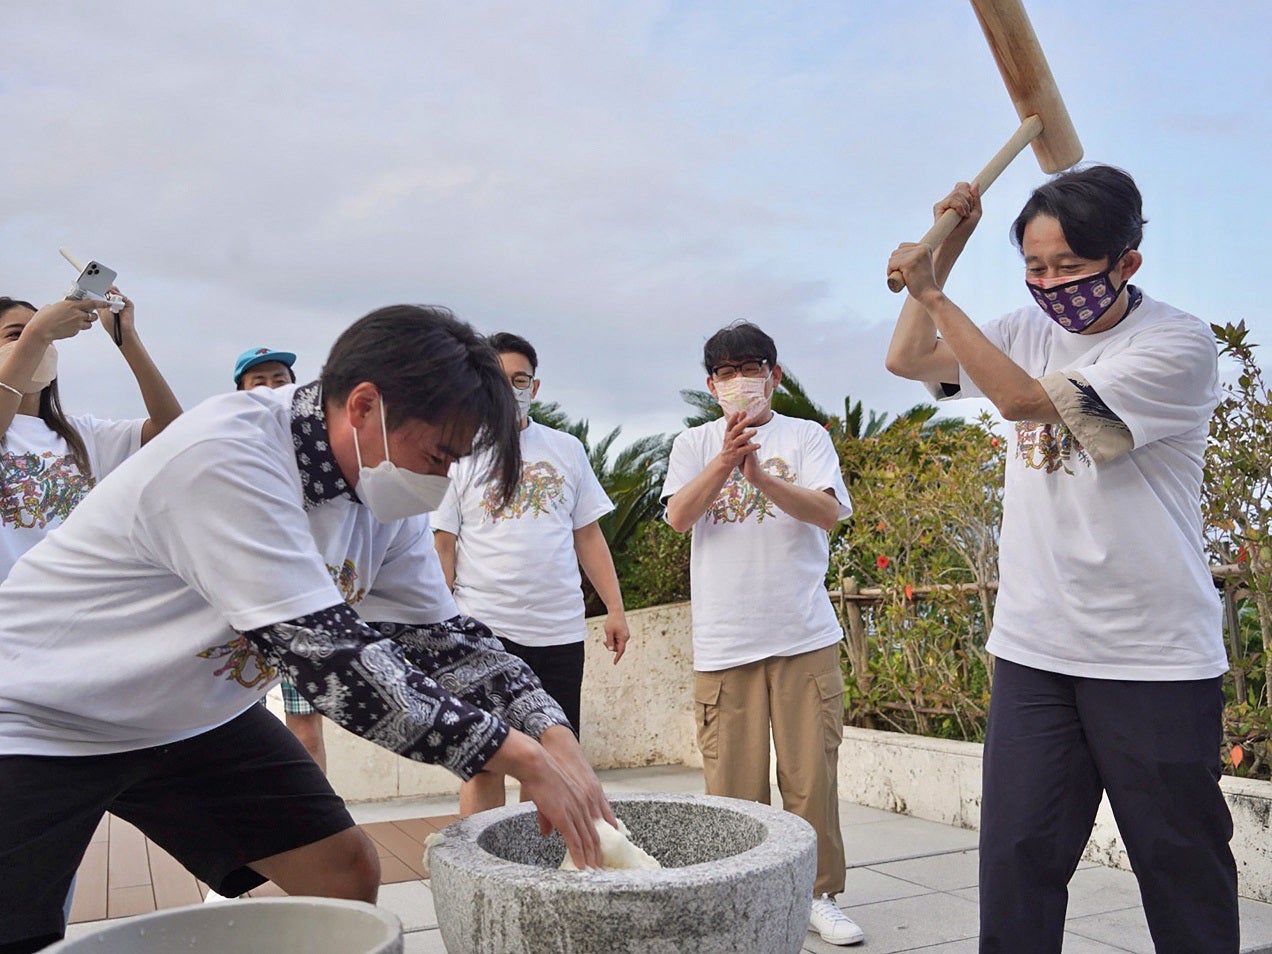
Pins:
x: 1054, y: 744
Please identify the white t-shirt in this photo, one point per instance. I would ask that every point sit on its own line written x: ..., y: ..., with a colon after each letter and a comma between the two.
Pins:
x: 515, y: 568
x: 1102, y: 572
x: 39, y: 482
x: 757, y: 575
x: 118, y: 631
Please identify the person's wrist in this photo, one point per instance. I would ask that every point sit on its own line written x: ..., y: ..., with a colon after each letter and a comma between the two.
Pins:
x: 555, y: 737
x: 38, y: 332
x: 931, y: 297
x: 519, y: 756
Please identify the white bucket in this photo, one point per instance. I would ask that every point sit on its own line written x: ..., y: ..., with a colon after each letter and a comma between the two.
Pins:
x: 277, y: 925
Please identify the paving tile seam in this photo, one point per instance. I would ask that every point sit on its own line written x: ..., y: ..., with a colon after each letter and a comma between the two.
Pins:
x: 915, y: 857
x: 1070, y: 928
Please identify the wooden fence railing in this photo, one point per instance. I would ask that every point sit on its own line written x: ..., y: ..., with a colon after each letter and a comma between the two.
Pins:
x: 850, y: 598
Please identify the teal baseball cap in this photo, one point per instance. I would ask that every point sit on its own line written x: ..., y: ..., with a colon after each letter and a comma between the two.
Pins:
x: 254, y: 356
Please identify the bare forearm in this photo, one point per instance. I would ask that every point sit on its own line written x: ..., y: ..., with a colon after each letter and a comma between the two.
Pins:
x: 915, y: 351
x: 162, y: 406
x: 690, y: 502
x: 598, y: 563
x: 444, y: 544
x: 1014, y: 392
x: 817, y: 507
x: 16, y: 372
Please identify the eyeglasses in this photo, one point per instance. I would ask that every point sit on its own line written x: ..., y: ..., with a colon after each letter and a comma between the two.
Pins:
x: 521, y: 380
x: 748, y: 369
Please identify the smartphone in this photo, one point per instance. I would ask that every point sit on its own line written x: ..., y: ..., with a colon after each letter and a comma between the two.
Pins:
x: 95, y: 279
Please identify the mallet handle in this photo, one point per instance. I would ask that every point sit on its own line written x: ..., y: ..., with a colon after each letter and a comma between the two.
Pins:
x: 1029, y: 130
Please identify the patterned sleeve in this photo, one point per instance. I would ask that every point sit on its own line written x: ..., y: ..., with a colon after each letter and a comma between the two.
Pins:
x: 1104, y: 434
x: 466, y: 659
x: 364, y: 682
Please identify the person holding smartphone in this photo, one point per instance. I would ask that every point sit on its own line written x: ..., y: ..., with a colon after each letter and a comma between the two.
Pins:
x: 49, y: 460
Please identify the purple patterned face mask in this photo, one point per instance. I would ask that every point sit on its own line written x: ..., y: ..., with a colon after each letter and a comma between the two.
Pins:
x: 1076, y: 304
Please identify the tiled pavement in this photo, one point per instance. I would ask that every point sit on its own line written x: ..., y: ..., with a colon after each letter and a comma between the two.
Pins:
x: 911, y: 883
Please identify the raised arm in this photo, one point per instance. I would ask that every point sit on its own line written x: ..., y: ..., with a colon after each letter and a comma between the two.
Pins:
x: 818, y: 507
x: 62, y: 319
x: 917, y: 352
x: 162, y: 406
x: 687, y: 505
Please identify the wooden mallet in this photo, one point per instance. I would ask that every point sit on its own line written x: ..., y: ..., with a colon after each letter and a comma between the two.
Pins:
x: 1044, y: 122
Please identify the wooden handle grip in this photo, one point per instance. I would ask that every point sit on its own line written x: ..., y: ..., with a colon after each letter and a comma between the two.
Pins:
x: 1028, y: 131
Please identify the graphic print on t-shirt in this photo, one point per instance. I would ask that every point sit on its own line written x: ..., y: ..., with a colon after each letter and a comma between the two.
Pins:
x: 346, y: 579
x: 39, y: 488
x: 1048, y: 447
x: 737, y: 499
x: 541, y: 490
x: 244, y: 662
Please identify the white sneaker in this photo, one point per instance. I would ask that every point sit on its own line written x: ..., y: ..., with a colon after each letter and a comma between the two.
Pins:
x: 833, y: 925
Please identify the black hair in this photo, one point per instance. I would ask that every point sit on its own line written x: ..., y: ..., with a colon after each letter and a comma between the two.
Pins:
x: 430, y: 366
x: 505, y: 342
x: 740, y: 341
x: 1099, y: 209
x: 51, y: 405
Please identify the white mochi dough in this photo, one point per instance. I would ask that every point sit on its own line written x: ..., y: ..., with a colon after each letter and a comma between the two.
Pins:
x: 617, y: 851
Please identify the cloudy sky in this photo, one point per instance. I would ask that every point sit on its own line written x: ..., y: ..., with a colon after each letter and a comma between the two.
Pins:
x: 614, y: 180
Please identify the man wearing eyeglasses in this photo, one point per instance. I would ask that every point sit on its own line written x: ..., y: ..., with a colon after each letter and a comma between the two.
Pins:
x: 760, y: 492
x: 516, y: 566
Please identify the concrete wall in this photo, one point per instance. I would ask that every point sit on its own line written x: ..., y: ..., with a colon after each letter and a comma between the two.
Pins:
x: 941, y: 781
x: 639, y: 712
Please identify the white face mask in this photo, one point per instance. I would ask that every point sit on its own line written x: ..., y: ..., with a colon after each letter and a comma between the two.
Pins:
x: 44, y: 372
x: 393, y: 493
x: 524, y: 397
x: 743, y: 394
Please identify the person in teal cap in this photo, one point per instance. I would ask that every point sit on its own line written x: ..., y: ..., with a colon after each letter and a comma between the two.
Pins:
x: 263, y: 366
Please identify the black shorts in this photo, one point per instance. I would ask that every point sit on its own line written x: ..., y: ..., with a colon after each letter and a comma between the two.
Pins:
x: 560, y: 669
x: 216, y: 802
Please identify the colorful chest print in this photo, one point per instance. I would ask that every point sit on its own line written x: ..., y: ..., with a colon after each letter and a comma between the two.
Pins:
x: 1048, y: 447
x: 738, y: 500
x: 39, y: 489
x: 541, y: 491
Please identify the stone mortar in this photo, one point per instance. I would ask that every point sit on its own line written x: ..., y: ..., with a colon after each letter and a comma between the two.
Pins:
x: 737, y: 878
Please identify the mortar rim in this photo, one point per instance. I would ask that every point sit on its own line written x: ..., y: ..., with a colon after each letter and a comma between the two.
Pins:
x: 787, y: 837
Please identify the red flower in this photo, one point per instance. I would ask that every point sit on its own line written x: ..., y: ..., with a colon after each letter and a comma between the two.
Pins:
x: 1242, y: 554
x: 993, y: 442
x: 881, y: 526
x: 882, y: 562
x: 909, y: 592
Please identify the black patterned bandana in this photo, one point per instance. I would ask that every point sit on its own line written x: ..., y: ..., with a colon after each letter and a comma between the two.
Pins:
x: 320, y: 476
